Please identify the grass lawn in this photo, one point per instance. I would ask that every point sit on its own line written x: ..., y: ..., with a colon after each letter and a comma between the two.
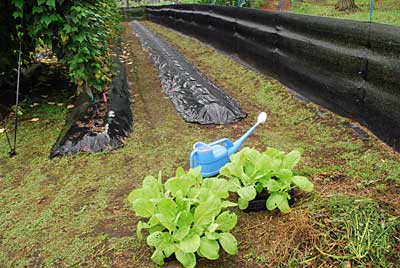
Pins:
x: 387, y: 11
x: 73, y: 212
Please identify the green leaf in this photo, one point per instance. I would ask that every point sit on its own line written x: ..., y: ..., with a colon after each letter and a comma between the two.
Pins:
x: 51, y: 3
x: 234, y: 184
x: 212, y: 227
x: 188, y: 260
x: 179, y: 184
x: 143, y: 207
x: 141, y: 225
x: 158, y: 257
x: 227, y: 204
x: 274, y: 153
x: 80, y: 37
x: 228, y: 243
x: 152, y: 188
x: 195, y: 172
x: 218, y: 187
x: 181, y: 233
x: 38, y: 9
x: 291, y: 159
x: 156, y: 228
x: 303, y: 183
x: 18, y: 3
x: 209, y: 248
x: 261, y: 185
x: 166, y: 221
x: 273, y: 185
x: 205, y: 212
x: 278, y: 200
x: 226, y: 221
x: 18, y: 14
x: 247, y: 193
x: 48, y: 19
x: 243, y: 204
x: 190, y: 243
x: 212, y: 235
x: 284, y: 174
x: 185, y: 219
x: 155, y: 239
x: 180, y: 172
x: 263, y: 164
x: 169, y: 249
x: 167, y: 207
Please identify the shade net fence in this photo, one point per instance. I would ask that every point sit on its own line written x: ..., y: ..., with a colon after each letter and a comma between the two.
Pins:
x: 350, y: 67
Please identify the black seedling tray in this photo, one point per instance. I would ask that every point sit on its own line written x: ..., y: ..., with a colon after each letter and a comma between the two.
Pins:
x: 260, y: 202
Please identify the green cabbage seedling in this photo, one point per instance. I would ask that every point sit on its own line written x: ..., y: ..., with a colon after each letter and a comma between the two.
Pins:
x: 251, y: 172
x: 186, y: 216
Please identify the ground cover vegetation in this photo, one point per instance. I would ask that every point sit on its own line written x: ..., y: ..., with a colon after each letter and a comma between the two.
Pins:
x: 74, y: 211
x: 80, y: 33
x: 387, y: 11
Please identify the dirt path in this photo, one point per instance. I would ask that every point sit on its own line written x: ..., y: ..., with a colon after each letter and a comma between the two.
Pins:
x: 275, y: 5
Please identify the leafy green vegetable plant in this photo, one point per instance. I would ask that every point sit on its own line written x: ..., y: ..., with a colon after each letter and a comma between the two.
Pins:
x: 186, y: 216
x: 251, y: 172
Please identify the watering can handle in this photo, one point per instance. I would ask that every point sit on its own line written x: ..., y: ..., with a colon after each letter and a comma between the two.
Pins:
x: 192, y: 159
x: 228, y: 142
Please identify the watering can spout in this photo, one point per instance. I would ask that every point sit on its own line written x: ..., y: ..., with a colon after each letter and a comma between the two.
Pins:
x: 262, y: 117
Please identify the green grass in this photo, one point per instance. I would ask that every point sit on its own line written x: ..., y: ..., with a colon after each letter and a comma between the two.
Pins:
x: 73, y: 212
x: 387, y: 12
x: 360, y: 228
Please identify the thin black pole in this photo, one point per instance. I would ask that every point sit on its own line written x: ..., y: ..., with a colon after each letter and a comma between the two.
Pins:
x: 13, y: 150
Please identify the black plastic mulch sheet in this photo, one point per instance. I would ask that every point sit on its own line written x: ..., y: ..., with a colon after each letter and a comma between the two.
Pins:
x: 195, y: 97
x: 93, y: 127
x: 349, y: 67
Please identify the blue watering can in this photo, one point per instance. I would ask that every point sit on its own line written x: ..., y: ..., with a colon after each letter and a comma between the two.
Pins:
x: 213, y: 156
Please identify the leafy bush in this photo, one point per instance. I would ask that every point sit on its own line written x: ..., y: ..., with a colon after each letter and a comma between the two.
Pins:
x: 81, y: 34
x: 186, y: 216
x: 252, y: 172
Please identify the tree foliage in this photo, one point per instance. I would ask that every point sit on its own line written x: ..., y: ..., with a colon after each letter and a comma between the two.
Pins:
x: 80, y: 33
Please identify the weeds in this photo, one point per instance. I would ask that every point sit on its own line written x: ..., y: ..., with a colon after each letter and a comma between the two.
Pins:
x: 357, y: 230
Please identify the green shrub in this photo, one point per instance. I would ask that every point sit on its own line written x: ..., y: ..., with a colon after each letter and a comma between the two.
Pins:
x: 81, y: 34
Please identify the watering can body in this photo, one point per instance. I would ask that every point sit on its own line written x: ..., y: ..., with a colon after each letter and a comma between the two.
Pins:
x: 211, y: 157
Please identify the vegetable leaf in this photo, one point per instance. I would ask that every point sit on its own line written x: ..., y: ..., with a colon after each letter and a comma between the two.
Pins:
x: 187, y: 259
x: 209, y: 248
x: 190, y: 243
x: 303, y: 183
x: 228, y: 243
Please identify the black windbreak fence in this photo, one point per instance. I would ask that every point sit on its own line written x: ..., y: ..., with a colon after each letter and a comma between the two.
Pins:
x: 350, y: 67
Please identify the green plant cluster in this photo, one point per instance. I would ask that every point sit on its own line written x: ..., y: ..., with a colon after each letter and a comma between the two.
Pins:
x: 187, y: 215
x: 80, y: 33
x: 272, y: 171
